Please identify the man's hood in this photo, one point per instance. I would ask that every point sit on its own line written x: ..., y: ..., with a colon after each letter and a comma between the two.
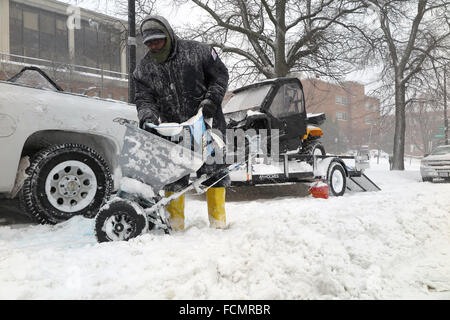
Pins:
x: 166, y: 24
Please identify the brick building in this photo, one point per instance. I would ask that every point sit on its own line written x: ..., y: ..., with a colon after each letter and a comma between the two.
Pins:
x: 347, y: 108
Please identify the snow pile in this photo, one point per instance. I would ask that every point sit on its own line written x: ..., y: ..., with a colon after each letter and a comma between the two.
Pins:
x: 387, y: 244
x: 134, y: 186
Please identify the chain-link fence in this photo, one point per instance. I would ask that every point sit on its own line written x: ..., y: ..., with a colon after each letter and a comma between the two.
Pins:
x: 72, y: 78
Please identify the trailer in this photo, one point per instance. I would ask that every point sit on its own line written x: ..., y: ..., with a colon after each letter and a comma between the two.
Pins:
x: 341, y: 173
x: 276, y: 108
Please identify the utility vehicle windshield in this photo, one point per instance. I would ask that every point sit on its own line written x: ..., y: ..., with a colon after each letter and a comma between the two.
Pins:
x: 247, y: 99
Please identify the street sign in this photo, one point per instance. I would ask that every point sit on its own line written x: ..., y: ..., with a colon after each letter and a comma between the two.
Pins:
x: 441, y: 129
x: 439, y: 136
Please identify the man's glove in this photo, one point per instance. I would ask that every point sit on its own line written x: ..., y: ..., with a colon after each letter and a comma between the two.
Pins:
x: 209, y: 108
x: 152, y: 119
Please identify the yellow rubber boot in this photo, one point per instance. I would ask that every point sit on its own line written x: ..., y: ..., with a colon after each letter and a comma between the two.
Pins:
x: 215, y: 197
x: 176, y: 210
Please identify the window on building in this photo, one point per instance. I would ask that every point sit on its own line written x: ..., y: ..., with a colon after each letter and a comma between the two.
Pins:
x: 91, y: 46
x: 342, y: 100
x: 16, y: 29
x: 368, y: 120
x: 368, y: 106
x: 110, y: 47
x: 47, y: 36
x: 97, y: 45
x: 61, y: 39
x: 115, y: 50
x: 38, y: 33
x: 30, y: 32
x: 341, y: 115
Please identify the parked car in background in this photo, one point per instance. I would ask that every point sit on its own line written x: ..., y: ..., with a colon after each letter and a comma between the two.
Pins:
x: 363, y: 157
x: 59, y: 151
x: 436, y: 165
x: 375, y: 152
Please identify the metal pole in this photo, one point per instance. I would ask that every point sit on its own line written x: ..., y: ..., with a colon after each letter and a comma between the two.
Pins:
x: 131, y: 48
x: 102, y: 88
x: 445, y: 106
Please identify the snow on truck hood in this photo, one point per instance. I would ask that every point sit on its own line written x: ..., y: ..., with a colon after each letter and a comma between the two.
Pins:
x: 47, y: 110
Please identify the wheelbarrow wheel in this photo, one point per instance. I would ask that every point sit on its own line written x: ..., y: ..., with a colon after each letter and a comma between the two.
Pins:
x: 120, y: 220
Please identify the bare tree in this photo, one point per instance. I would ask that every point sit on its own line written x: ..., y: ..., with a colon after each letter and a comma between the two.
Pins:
x: 274, y: 38
x: 407, y: 35
x: 143, y: 8
x: 421, y: 122
x: 425, y: 113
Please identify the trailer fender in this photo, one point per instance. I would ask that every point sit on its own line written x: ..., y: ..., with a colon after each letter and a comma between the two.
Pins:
x: 321, y: 166
x: 343, y: 165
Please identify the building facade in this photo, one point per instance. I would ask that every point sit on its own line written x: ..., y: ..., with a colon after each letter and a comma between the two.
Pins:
x: 351, y: 114
x: 84, y: 51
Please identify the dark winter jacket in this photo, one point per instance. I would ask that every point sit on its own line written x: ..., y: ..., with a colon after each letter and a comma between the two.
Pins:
x: 173, y: 90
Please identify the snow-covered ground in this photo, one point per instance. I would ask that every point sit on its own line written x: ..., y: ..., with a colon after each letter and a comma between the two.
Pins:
x: 392, y: 244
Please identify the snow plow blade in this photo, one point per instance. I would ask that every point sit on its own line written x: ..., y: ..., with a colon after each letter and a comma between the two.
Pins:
x: 155, y: 161
x: 361, y: 183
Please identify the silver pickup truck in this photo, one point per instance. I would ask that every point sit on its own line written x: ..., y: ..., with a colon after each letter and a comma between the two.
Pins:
x: 58, y: 151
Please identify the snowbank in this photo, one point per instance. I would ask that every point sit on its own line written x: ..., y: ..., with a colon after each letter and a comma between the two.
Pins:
x: 379, y: 245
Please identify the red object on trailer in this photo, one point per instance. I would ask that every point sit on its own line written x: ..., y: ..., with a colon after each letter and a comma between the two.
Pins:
x: 319, y: 189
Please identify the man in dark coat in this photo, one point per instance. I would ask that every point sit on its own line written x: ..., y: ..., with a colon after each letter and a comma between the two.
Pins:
x: 173, y: 81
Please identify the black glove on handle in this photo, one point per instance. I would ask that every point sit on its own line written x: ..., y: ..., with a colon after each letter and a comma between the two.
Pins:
x: 209, y: 108
x: 152, y: 119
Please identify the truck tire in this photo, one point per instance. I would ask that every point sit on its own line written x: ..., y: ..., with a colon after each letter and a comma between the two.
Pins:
x: 336, y: 179
x: 314, y: 148
x: 120, y: 220
x: 64, y: 181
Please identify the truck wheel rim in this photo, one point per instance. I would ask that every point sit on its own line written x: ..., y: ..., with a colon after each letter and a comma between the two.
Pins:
x: 71, y: 186
x: 119, y: 227
x: 317, y: 152
x: 337, y: 181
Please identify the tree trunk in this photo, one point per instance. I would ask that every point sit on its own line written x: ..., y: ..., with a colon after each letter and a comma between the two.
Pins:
x: 400, y: 127
x: 281, y: 67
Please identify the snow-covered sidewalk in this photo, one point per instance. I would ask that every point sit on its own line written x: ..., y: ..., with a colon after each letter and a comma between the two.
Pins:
x: 381, y: 245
